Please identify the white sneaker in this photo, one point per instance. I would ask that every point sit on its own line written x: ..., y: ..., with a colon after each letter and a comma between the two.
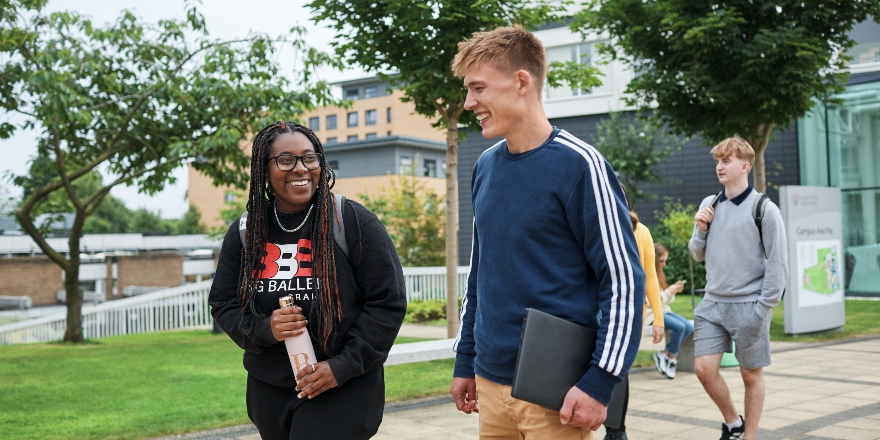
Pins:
x: 670, y: 368
x: 660, y: 362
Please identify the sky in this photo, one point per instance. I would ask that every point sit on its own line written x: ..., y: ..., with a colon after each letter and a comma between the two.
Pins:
x: 225, y: 19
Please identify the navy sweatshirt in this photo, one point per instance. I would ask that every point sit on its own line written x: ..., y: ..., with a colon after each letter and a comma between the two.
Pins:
x: 551, y: 232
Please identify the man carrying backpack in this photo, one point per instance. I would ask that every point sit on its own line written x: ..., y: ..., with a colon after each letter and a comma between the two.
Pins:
x: 746, y: 271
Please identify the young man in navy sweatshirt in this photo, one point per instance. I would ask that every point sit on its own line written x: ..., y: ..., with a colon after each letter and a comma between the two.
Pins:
x: 746, y: 272
x: 551, y: 232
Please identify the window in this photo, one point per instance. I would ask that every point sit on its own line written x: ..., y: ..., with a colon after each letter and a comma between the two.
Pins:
x: 405, y: 164
x: 229, y: 197
x: 370, y: 117
x: 351, y: 94
x: 371, y: 136
x: 353, y: 119
x: 315, y: 123
x: 389, y: 114
x: 371, y: 92
x: 430, y: 168
x: 583, y: 53
x: 331, y: 140
x: 333, y: 164
x: 331, y: 122
x: 352, y: 137
x: 867, y: 49
x: 389, y: 132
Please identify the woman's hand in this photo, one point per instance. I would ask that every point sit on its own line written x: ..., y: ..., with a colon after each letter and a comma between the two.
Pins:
x: 286, y: 322
x: 658, y: 334
x: 314, y: 379
x: 676, y: 288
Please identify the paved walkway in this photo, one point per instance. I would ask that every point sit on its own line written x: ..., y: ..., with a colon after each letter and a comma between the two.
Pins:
x: 814, y: 391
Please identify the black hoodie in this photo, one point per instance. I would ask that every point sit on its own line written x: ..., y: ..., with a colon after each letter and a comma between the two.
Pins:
x: 370, y: 282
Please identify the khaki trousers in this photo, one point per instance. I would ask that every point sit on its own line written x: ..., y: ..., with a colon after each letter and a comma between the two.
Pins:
x: 505, y: 417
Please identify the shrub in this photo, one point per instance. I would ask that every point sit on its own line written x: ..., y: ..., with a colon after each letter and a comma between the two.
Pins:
x: 674, y: 232
x: 424, y: 311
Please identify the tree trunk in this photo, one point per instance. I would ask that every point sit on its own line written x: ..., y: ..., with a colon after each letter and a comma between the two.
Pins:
x: 452, y: 140
x: 74, y: 331
x: 759, y: 144
x: 74, y: 293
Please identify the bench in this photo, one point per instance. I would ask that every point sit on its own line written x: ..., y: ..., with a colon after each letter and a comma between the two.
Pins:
x: 685, y: 352
x: 17, y: 302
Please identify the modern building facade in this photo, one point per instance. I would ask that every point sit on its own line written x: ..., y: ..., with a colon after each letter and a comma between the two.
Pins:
x: 379, y: 136
x: 835, y: 146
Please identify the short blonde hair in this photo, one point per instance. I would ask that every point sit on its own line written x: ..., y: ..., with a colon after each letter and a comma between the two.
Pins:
x: 734, y: 146
x: 508, y: 49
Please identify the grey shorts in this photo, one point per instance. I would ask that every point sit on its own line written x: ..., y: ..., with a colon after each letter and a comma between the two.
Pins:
x: 716, y: 324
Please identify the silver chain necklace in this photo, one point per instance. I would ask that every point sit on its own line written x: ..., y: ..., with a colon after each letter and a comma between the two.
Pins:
x: 296, y: 228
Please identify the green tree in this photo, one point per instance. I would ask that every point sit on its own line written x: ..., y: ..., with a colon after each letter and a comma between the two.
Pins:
x: 7, y: 202
x: 233, y: 210
x: 149, y: 223
x: 418, y: 40
x: 191, y: 223
x: 736, y: 67
x: 137, y: 100
x: 674, y: 232
x: 414, y: 217
x: 111, y: 217
x: 634, y: 147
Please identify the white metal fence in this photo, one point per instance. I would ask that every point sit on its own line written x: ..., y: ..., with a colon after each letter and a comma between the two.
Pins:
x: 429, y: 283
x: 180, y: 307
x: 183, y: 307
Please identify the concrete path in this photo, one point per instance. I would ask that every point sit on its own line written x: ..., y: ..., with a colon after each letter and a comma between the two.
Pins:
x: 814, y: 391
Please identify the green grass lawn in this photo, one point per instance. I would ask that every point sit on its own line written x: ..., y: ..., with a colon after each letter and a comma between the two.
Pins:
x: 147, y: 385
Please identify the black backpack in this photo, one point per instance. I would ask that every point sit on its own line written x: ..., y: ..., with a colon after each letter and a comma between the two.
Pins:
x: 338, y: 224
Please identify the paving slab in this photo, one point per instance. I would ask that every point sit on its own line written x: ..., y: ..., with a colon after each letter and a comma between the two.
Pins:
x: 841, y: 400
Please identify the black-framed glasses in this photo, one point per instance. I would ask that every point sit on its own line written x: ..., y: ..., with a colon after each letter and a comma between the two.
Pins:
x: 287, y: 161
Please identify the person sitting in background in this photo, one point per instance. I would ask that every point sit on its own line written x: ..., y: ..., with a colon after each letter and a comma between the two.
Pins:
x: 666, y: 360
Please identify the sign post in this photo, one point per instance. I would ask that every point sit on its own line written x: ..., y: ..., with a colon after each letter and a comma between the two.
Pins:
x: 814, y: 299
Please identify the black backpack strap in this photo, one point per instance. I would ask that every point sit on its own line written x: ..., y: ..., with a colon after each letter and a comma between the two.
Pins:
x: 713, y: 204
x: 338, y: 224
x: 758, y: 214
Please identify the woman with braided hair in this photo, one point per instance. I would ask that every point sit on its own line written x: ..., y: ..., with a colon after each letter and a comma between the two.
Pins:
x: 351, y: 303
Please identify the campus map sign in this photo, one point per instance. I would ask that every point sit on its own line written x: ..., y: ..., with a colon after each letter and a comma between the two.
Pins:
x: 813, y: 225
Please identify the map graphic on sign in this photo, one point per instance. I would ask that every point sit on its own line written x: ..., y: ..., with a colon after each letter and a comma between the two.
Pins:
x: 824, y: 277
x: 819, y: 273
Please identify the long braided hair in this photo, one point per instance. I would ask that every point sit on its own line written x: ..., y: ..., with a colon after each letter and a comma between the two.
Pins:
x: 328, y: 311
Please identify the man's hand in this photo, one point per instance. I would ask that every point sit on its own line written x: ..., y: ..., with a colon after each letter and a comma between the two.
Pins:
x: 582, y: 411
x: 704, y: 217
x: 464, y: 391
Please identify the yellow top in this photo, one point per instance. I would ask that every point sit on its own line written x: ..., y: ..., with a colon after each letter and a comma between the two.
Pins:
x: 652, y: 285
